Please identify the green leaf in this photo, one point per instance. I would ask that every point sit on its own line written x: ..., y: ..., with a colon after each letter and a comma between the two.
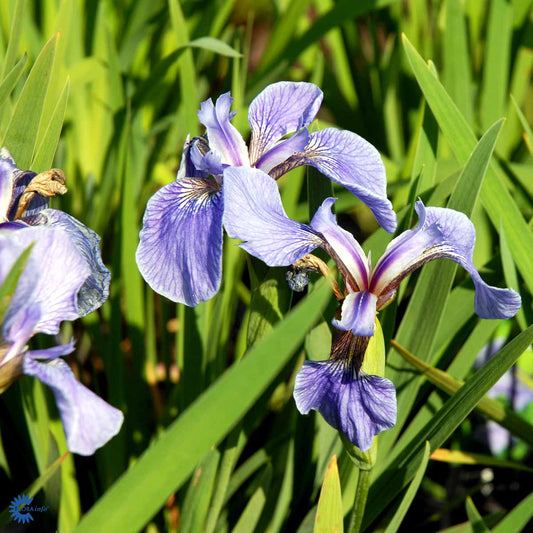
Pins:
x: 44, y: 157
x: 199, y: 494
x: 11, y: 79
x: 467, y: 458
x: 21, y: 134
x: 518, y: 518
x: 528, y: 137
x: 409, y: 496
x: 497, y: 60
x: 457, y: 61
x: 329, y: 515
x: 478, y: 526
x: 270, y: 301
x: 214, y: 45
x: 14, y: 39
x: 400, y: 470
x: 165, y: 466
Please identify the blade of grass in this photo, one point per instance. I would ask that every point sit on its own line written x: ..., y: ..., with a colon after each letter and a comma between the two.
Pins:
x: 476, y: 522
x: 21, y: 134
x: 329, y: 516
x: 497, y: 60
x: 467, y: 458
x: 44, y: 156
x: 399, y: 515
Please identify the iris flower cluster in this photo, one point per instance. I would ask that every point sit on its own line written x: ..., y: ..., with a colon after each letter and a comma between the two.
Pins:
x: 64, y: 279
x: 221, y: 183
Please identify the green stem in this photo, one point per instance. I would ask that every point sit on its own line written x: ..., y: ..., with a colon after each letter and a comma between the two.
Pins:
x: 359, y: 504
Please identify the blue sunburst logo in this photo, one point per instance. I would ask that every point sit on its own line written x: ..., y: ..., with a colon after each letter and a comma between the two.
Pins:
x: 17, y: 509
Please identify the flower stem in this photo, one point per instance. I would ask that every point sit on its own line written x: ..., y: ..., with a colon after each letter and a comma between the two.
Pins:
x: 359, y: 504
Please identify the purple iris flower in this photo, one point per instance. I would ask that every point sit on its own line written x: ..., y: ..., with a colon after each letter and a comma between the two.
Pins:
x: 63, y: 279
x: 180, y: 247
x: 359, y: 405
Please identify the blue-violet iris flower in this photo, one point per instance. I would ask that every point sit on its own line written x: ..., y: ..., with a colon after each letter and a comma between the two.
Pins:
x: 180, y: 248
x: 359, y: 405
x: 63, y: 279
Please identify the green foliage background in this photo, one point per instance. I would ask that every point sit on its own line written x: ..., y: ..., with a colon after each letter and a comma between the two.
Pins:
x: 108, y: 91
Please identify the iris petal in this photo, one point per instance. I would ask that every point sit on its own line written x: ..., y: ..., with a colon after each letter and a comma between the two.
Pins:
x: 441, y: 233
x: 223, y: 136
x: 281, y: 108
x: 253, y: 213
x: 348, y: 159
x: 95, y: 290
x: 89, y: 422
x: 342, y: 246
x: 358, y: 314
x: 180, y: 249
x: 56, y: 271
x: 359, y: 405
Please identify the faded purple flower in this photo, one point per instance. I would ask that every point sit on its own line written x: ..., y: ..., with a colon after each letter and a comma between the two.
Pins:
x: 180, y: 247
x: 63, y: 279
x: 359, y: 405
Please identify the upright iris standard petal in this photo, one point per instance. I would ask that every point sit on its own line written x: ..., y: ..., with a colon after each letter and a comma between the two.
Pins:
x: 342, y: 246
x: 95, y: 290
x: 281, y: 108
x: 57, y: 271
x: 348, y: 159
x: 358, y: 314
x: 441, y: 233
x: 180, y: 249
x: 254, y: 213
x: 223, y: 136
x: 89, y: 422
x: 359, y: 405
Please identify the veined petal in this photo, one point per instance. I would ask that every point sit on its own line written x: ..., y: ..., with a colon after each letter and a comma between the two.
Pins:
x: 89, y: 422
x: 441, y: 233
x: 358, y: 314
x: 253, y: 213
x: 95, y: 290
x: 223, y: 136
x: 56, y: 270
x: 283, y: 150
x: 54, y: 352
x: 359, y: 405
x: 180, y: 248
x: 348, y: 159
x: 209, y: 163
x: 342, y: 246
x: 281, y: 108
x: 187, y: 168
